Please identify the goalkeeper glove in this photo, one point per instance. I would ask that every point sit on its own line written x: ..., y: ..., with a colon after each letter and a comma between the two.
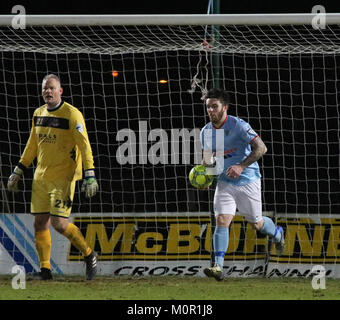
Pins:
x: 90, y: 185
x: 13, y: 180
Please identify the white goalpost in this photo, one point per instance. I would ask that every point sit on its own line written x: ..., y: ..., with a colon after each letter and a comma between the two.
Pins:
x: 139, y: 80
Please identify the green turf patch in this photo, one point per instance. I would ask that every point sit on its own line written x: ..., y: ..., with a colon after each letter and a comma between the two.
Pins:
x: 169, y: 288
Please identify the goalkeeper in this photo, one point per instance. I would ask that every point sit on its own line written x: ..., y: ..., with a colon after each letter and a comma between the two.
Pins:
x: 238, y: 147
x: 60, y: 142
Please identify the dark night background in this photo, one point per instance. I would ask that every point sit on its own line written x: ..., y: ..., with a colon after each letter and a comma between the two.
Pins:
x: 165, y: 6
x: 291, y: 101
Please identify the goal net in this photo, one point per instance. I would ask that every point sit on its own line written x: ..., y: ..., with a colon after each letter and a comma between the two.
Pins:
x: 140, y: 90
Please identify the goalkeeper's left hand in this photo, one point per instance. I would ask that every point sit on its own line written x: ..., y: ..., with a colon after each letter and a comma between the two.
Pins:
x: 90, y: 185
x: 14, y: 178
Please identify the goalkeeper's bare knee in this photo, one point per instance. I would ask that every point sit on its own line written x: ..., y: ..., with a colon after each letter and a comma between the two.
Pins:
x: 59, y: 224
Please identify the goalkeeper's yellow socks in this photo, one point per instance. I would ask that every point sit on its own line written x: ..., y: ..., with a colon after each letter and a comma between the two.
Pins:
x: 73, y: 233
x: 43, y: 243
x: 221, y: 241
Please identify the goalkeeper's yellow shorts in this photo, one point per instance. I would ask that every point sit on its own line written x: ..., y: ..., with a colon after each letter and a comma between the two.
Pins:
x: 54, y: 197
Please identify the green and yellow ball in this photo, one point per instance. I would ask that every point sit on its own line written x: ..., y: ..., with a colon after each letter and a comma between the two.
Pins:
x: 199, y: 178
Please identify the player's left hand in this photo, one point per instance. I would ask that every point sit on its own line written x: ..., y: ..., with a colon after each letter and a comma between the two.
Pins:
x: 13, y: 180
x: 90, y: 185
x: 234, y: 171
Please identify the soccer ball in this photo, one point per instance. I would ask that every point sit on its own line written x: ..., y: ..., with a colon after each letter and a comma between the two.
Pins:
x: 199, y: 178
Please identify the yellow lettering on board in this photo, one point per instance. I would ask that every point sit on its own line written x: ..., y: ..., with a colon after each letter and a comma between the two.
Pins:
x: 141, y: 244
x: 251, y: 240
x: 122, y: 231
x: 234, y: 237
x: 175, y: 236
x: 333, y: 248
x: 207, y: 243
x: 309, y: 247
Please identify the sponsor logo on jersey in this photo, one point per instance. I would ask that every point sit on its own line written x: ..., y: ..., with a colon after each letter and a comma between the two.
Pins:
x: 51, y: 122
x: 47, y: 138
x: 79, y: 127
x: 250, y: 131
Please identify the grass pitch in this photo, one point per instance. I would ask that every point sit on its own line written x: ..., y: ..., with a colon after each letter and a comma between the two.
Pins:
x: 169, y: 288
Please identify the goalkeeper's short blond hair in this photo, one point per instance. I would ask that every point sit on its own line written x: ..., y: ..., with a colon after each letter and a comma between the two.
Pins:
x: 53, y: 76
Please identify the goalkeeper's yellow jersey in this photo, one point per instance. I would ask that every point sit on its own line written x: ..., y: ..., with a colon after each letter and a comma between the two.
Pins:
x: 60, y: 142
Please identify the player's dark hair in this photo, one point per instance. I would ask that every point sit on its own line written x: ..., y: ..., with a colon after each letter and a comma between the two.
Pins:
x: 220, y: 94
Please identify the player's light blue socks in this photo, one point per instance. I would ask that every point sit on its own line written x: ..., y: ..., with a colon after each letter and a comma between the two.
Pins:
x: 269, y: 229
x: 221, y: 241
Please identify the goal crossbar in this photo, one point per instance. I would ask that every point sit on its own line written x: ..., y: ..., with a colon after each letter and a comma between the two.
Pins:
x: 176, y: 19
